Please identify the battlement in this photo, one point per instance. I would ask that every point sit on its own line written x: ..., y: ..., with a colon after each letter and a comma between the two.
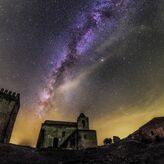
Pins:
x: 9, y: 95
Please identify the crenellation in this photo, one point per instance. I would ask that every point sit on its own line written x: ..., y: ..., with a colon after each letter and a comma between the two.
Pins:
x: 2, y: 90
x: 6, y: 91
x: 14, y: 94
x: 18, y: 95
x: 9, y: 95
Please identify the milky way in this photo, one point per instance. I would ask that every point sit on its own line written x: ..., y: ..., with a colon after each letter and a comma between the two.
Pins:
x: 101, y: 57
x: 99, y: 20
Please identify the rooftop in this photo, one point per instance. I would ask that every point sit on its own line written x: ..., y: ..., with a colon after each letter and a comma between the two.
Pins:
x: 60, y: 123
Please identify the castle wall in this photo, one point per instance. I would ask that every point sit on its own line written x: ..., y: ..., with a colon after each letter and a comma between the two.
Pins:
x: 151, y: 134
x: 152, y: 131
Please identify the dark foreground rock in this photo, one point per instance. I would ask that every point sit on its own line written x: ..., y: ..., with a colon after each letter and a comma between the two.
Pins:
x: 125, y: 152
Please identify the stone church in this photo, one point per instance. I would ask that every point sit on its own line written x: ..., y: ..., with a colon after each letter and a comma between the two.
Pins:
x: 9, y: 106
x: 68, y: 135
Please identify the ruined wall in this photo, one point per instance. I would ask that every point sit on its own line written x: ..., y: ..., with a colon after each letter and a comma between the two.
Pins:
x: 9, y: 106
x: 87, y: 138
x: 152, y: 134
x: 152, y: 131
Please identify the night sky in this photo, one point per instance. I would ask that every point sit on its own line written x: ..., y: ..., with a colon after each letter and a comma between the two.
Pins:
x: 101, y: 57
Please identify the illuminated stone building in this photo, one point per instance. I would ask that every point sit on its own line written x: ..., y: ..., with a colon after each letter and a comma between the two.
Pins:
x: 68, y: 135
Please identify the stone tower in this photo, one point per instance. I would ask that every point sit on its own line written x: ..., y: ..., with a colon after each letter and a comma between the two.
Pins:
x: 9, y: 106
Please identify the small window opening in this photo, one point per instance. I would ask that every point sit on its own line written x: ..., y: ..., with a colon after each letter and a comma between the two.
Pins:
x: 63, y: 134
x: 55, y: 143
x: 152, y: 133
x: 83, y: 123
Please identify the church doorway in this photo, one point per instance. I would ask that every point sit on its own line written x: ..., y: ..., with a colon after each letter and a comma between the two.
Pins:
x: 55, y: 143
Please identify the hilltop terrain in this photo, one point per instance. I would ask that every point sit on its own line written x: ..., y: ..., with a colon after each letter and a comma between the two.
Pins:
x: 125, y: 152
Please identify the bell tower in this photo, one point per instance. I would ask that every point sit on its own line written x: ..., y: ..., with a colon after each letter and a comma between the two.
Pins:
x: 82, y: 122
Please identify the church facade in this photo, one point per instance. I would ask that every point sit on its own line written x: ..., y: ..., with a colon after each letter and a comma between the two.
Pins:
x: 67, y: 135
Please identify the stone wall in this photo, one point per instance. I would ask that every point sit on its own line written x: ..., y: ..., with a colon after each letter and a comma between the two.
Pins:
x: 9, y: 106
x: 60, y: 133
x: 87, y: 138
x: 151, y: 131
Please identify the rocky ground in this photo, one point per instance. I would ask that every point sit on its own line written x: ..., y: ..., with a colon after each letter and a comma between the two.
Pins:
x: 125, y: 152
